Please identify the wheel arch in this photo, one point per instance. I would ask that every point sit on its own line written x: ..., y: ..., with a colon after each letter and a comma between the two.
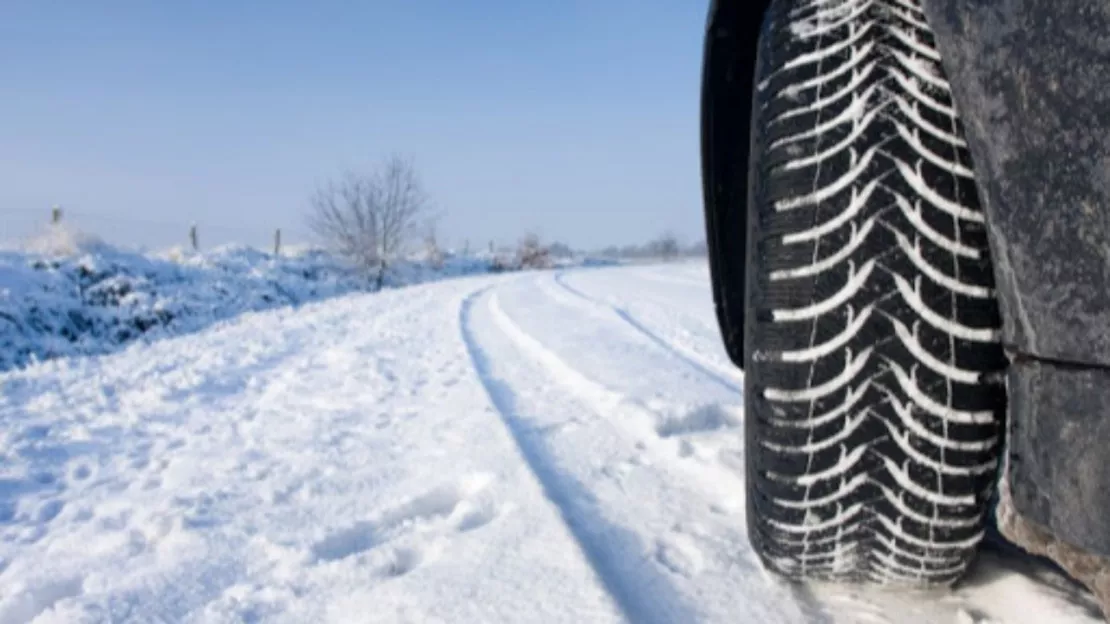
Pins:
x: 728, y: 71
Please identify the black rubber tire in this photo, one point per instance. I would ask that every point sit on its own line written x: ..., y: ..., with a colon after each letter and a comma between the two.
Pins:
x: 872, y: 383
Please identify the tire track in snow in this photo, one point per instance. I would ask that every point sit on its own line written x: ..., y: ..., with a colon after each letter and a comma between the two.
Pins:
x: 649, y: 285
x: 715, y: 484
x: 632, y: 416
x: 680, y: 353
x: 600, y: 541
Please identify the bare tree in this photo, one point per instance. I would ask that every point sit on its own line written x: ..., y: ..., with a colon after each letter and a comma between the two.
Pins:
x: 665, y: 247
x: 532, y: 253
x: 369, y: 218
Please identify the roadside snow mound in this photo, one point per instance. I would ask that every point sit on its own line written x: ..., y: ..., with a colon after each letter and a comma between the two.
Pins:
x: 62, y: 240
x: 65, y: 294
x: 96, y: 301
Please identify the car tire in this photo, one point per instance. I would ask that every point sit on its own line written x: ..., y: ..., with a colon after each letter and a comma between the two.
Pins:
x: 873, y: 387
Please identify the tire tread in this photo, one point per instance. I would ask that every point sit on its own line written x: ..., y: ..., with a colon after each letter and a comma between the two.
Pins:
x: 874, y: 406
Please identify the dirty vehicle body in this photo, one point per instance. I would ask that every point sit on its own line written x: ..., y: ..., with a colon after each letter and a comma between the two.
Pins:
x: 908, y: 215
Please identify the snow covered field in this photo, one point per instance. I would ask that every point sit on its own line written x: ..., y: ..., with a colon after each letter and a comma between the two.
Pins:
x: 535, y: 447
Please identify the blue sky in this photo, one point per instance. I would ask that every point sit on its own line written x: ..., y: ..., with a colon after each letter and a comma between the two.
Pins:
x: 575, y: 118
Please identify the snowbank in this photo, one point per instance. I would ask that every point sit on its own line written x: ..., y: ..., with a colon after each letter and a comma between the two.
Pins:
x: 66, y: 294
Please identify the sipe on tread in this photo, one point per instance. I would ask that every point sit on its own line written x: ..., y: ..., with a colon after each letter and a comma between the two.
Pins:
x: 872, y: 337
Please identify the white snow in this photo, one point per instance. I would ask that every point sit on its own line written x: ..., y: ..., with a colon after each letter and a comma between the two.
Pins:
x: 560, y: 446
x: 67, y: 293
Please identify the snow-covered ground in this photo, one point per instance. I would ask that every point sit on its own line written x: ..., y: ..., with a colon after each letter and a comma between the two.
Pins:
x: 536, y: 447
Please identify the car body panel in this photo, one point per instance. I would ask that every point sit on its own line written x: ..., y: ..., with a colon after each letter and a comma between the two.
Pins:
x: 1031, y: 82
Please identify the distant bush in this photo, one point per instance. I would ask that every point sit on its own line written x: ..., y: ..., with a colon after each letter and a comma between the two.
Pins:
x: 501, y: 263
x: 533, y: 254
x: 433, y: 252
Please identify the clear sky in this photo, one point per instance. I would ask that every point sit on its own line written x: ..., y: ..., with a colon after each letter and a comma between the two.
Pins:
x: 577, y: 119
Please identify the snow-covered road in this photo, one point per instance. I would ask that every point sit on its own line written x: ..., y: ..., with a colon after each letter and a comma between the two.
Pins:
x: 541, y: 447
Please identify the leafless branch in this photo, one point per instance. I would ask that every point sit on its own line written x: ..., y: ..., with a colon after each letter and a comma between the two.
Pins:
x: 370, y: 218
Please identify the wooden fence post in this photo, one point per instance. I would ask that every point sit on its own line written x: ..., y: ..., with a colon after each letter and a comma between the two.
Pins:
x: 193, y: 237
x: 277, y: 242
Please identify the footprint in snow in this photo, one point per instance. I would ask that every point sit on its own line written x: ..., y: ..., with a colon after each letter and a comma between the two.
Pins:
x: 727, y: 507
x: 400, y: 539
x: 476, y: 518
x: 404, y: 560
x: 712, y: 417
x: 49, y: 510
x: 680, y: 554
x: 80, y: 472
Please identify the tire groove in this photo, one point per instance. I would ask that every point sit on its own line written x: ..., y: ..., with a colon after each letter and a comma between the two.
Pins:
x: 635, y: 324
x: 594, y: 535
